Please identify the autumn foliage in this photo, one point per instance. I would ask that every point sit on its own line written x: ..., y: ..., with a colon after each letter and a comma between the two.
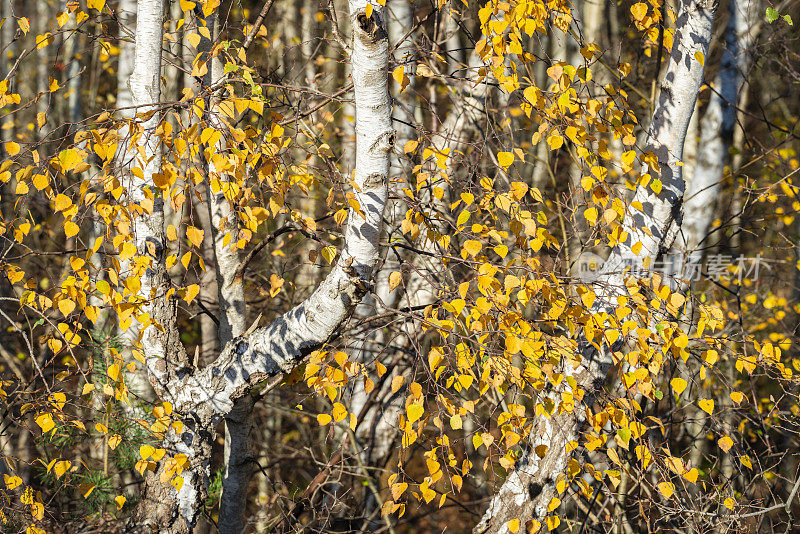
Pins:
x: 561, y: 332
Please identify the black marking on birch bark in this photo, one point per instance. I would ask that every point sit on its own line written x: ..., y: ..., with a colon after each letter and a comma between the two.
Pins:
x: 375, y: 179
x: 157, y: 250
x: 371, y: 26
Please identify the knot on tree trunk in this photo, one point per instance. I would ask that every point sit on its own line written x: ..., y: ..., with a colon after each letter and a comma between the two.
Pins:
x: 371, y: 26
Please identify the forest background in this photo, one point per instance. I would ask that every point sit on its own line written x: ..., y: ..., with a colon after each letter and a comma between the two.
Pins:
x: 399, y: 266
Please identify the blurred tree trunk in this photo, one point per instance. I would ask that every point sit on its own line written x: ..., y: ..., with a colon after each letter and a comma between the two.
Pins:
x: 43, y: 67
x: 718, y: 124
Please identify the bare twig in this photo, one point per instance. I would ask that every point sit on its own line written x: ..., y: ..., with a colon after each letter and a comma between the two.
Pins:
x: 254, y: 30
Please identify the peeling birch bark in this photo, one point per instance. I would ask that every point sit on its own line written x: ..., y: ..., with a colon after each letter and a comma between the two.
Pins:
x: 530, y: 487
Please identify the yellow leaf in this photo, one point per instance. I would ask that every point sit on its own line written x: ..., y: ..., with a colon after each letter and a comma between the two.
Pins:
x: 666, y: 489
x: 591, y: 215
x: 114, y: 440
x: 410, y: 146
x: 62, y: 202
x: 700, y: 57
x: 145, y: 451
x: 66, y: 306
x: 86, y: 489
x: 729, y: 503
x: 655, y: 185
x: 193, y: 39
x: 400, y: 77
x: 186, y: 5
x: 43, y: 40
x: 55, y: 344
x: 737, y: 396
x: 24, y: 25
x: 12, y: 148
x: 339, y: 412
x: 113, y: 372
x: 398, y: 490
x: 12, y: 481
x: 639, y: 10
x: 324, y: 419
x: 120, y: 500
x: 397, y: 383
x: 191, y: 293
x: 45, y: 422
x: 195, y: 235
x: 588, y: 298
x: 71, y: 229
x: 725, y: 443
x: 692, y: 475
x: 555, y: 141
x: 40, y: 181
x: 61, y: 467
x: 554, y: 503
x: 394, y: 280
x: 210, y: 6
x: 368, y: 10
x: 505, y: 159
x: 746, y: 462
x: 472, y: 247
x: 455, y: 422
x: 329, y: 253
x: 257, y: 106
x: 96, y: 4
x: 678, y: 384
x: 414, y: 412
x: 706, y: 405
x: 513, y: 525
x: 128, y: 250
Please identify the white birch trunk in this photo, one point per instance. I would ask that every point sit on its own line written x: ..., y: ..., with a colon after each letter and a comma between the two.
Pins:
x: 531, y: 486
x: 202, y: 398
x: 230, y: 296
x: 136, y: 381
x: 376, y: 430
x: 717, y: 126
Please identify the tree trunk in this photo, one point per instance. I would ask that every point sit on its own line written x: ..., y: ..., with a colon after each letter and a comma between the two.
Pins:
x: 201, y: 398
x: 717, y: 126
x: 136, y: 381
x: 530, y: 487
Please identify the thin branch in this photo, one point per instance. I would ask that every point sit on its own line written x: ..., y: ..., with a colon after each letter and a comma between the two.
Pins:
x: 254, y: 30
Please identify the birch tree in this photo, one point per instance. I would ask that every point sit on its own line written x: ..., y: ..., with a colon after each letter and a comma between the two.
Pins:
x: 653, y: 220
x: 216, y: 178
x: 717, y: 126
x: 205, y: 396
